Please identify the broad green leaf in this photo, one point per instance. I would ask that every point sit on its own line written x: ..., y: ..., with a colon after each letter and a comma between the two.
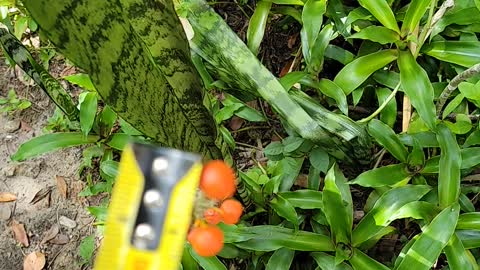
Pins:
x: 389, y: 113
x: 312, y: 17
x: 273, y: 149
x: 385, y: 136
x: 270, y: 238
x: 469, y: 221
x: 470, y: 238
x: 337, y: 202
x: 290, y: 170
x: 327, y: 262
x: 416, y: 157
x: 387, y: 205
x: 361, y: 261
x: 415, y: 12
x: 452, y: 105
x: 330, y: 89
x: 461, y: 16
x: 284, y: 209
x: 227, y: 112
x: 106, y: 120
x: 21, y: 26
x: 319, y: 159
x: 464, y: 53
x: 289, y: 11
x: 230, y: 251
x: 375, y: 238
x: 188, y: 262
x: 99, y: 212
x: 86, y: 248
x: 426, y: 249
x: 317, y: 52
x: 472, y: 139
x: 339, y: 54
x: 280, y: 259
x: 382, y: 12
x: 119, y: 140
x: 417, y: 210
x: 206, y: 262
x: 466, y: 204
x: 389, y: 175
x: 49, y: 143
x: 378, y: 34
x: 256, y: 26
x: 313, y: 178
x: 462, y: 125
x: 291, y: 144
x: 291, y: 78
x: 458, y: 257
x: 426, y: 139
x: 417, y: 86
x: 357, y: 95
x: 110, y: 168
x: 88, y: 111
x: 450, y: 163
x: 165, y: 102
x: 304, y: 198
x: 387, y: 78
x: 470, y: 157
x: 250, y: 114
x: 227, y: 136
x: 82, y: 80
x: 360, y: 69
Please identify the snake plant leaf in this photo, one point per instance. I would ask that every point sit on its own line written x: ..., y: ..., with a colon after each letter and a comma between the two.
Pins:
x: 359, y: 70
x: 382, y: 12
x: 458, y: 257
x: 379, y: 34
x: 460, y: 16
x: 469, y: 221
x: 417, y: 87
x: 51, y: 142
x: 385, y: 207
x: 428, y: 246
x: 390, y: 175
x: 361, y: 261
x: 312, y: 17
x: 269, y: 238
x: 463, y: 53
x: 206, y: 262
x: 327, y: 262
x: 121, y: 68
x: 450, y: 163
x: 257, y: 24
x: 385, y: 136
x: 304, y: 198
x: 470, y: 157
x: 281, y: 259
x: 415, y: 12
x: 337, y: 202
x: 15, y: 50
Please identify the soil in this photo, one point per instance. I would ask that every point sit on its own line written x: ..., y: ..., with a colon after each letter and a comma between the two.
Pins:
x: 33, y: 176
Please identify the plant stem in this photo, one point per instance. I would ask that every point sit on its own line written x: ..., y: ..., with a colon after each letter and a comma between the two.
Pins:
x: 384, y: 104
x: 453, y: 84
x: 427, y: 29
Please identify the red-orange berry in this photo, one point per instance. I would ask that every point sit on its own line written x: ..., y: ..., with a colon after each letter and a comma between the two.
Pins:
x: 232, y: 211
x: 213, y: 216
x: 207, y: 241
x: 217, y: 180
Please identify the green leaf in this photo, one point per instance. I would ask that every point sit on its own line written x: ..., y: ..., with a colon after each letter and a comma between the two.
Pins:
x: 416, y: 158
x: 119, y: 140
x: 250, y: 114
x: 465, y: 204
x: 460, y: 16
x: 417, y: 86
x: 319, y: 159
x: 313, y: 178
x: 356, y: 72
x: 462, y: 125
x: 472, y: 139
x: 82, y: 80
x: 389, y: 113
x: 317, y: 52
x: 452, y: 105
x: 273, y: 149
x: 387, y: 78
x: 390, y: 175
x: 284, y: 209
x: 110, y: 168
x: 256, y: 26
x: 49, y: 143
x: 377, y: 34
x: 361, y: 261
x: 206, y: 262
x: 312, y: 17
x: 287, y: 2
x: 290, y: 168
x: 470, y: 157
x: 470, y: 238
x: 469, y: 221
x: 388, y: 139
x: 99, y: 212
x: 280, y: 259
x: 450, y: 162
x: 21, y: 26
x: 415, y: 12
x: 291, y: 144
x: 458, y: 257
x: 106, y: 120
x: 227, y: 112
x: 426, y: 139
x: 330, y: 89
x: 382, y: 12
x: 357, y: 95
x: 291, y: 78
x: 385, y: 207
x: 304, y: 198
x: 338, y: 53
x: 86, y: 248
x: 464, y: 53
x: 327, y: 262
x: 227, y: 137
x: 88, y: 111
x: 426, y: 249
x: 338, y: 205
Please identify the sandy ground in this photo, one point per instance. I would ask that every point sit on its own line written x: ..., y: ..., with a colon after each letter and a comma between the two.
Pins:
x: 34, y: 176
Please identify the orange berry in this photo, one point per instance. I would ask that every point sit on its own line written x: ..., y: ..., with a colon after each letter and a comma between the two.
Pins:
x: 217, y: 180
x: 213, y: 216
x: 232, y: 211
x: 206, y: 241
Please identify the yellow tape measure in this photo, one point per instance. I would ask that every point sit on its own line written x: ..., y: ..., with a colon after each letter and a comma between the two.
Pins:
x: 150, y: 209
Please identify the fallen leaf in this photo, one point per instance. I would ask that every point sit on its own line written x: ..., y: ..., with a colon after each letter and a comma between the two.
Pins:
x: 69, y: 70
x: 60, y: 239
x: 25, y: 127
x: 34, y: 261
x: 291, y: 41
x: 62, y: 186
x: 7, y: 197
x: 19, y: 233
x: 236, y: 122
x: 50, y: 234
x: 42, y: 193
x: 286, y: 68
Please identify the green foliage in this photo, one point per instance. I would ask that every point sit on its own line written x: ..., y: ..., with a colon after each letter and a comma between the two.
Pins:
x: 12, y: 103
x: 86, y: 249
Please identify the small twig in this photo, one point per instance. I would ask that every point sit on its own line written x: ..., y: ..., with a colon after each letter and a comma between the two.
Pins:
x: 441, y: 11
x: 249, y: 128
x: 453, y: 84
x: 382, y: 106
x: 380, y: 157
x: 248, y: 145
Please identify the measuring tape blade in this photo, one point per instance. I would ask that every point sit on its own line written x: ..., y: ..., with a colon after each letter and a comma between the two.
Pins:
x: 150, y: 210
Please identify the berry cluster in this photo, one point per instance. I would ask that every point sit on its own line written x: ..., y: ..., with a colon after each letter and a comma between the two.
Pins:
x: 217, y: 184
